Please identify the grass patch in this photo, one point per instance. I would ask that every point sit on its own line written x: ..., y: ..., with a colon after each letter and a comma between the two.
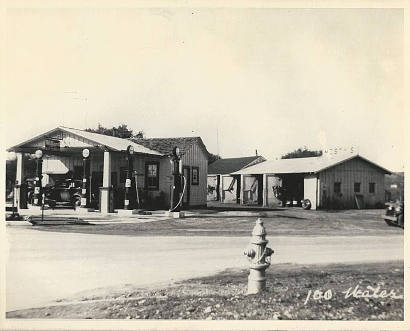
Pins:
x: 295, y: 222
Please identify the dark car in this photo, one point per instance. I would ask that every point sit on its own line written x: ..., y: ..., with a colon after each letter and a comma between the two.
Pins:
x: 394, y: 214
x: 64, y: 192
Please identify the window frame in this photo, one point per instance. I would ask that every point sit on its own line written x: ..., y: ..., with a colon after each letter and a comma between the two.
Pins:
x: 360, y: 187
x: 194, y: 182
x: 156, y: 187
x: 372, y: 185
x: 337, y: 184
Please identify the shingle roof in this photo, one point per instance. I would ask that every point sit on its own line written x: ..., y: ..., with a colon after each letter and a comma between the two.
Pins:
x: 166, y: 145
x: 301, y: 165
x: 227, y: 166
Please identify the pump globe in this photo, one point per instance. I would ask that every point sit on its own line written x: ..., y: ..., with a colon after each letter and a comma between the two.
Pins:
x: 38, y: 154
x: 86, y: 152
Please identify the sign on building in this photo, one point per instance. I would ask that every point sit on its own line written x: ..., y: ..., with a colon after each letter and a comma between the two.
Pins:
x: 52, y: 144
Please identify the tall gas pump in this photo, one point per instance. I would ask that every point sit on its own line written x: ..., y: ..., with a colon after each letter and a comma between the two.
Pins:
x: 37, y: 182
x: 179, y: 184
x: 85, y: 190
x: 128, y: 186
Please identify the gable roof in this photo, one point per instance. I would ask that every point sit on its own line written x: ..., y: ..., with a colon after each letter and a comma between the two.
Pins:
x: 302, y: 165
x: 110, y: 142
x: 227, y: 166
x: 166, y: 145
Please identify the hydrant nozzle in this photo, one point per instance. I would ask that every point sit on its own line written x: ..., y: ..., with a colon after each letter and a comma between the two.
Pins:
x: 259, y: 258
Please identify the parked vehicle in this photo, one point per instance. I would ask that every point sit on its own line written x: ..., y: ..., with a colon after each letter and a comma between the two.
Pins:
x: 64, y: 192
x: 394, y: 214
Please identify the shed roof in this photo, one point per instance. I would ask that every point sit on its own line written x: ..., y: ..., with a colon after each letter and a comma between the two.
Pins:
x: 230, y: 165
x: 302, y: 165
x: 166, y: 145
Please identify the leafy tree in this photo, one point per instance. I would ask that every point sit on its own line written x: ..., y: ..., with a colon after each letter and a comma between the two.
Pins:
x: 302, y: 152
x: 121, y: 131
x: 212, y: 158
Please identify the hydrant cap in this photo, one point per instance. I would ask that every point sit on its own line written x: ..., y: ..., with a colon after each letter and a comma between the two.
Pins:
x: 259, y: 229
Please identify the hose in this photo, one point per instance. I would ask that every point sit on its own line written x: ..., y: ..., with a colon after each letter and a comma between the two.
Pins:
x: 182, y: 196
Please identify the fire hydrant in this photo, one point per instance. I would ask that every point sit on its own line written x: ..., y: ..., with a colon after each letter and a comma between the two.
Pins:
x: 259, y: 257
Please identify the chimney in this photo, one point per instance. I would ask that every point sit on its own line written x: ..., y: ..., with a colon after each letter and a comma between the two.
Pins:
x: 256, y: 152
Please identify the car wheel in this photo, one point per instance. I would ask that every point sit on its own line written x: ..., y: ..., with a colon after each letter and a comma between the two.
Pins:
x: 77, y: 201
x: 388, y: 222
x: 306, y: 204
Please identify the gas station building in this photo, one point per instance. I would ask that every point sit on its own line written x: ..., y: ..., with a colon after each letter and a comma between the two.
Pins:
x: 62, y: 155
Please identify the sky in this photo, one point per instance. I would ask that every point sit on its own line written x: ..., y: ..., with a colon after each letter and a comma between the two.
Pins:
x: 270, y: 80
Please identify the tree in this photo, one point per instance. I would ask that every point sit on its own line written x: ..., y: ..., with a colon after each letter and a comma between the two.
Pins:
x: 120, y: 131
x: 212, y: 158
x: 302, y: 152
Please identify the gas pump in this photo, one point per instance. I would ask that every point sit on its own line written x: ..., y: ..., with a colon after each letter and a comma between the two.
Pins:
x: 179, y: 181
x: 128, y: 186
x: 85, y: 196
x: 37, y: 182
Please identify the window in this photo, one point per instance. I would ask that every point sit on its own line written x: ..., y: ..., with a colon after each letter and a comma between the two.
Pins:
x: 152, y: 175
x: 195, y: 176
x: 357, y: 187
x: 337, y: 188
x: 372, y: 187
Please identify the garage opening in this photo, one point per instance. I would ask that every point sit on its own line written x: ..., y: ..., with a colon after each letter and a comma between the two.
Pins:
x: 253, y: 190
x: 292, y: 186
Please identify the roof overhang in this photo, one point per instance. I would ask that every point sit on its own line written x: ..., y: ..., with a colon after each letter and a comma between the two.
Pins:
x: 94, y: 144
x: 310, y: 168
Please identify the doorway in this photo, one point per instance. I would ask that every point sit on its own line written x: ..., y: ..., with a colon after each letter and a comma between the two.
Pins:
x: 293, y: 187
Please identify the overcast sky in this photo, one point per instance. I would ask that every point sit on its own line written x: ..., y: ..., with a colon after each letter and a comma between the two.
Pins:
x: 266, y: 79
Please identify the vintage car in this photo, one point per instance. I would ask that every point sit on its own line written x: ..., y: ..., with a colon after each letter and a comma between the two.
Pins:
x: 63, y: 192
x: 394, y: 214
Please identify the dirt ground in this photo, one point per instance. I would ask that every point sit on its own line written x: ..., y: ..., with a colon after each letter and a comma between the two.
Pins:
x: 293, y: 221
x: 223, y: 296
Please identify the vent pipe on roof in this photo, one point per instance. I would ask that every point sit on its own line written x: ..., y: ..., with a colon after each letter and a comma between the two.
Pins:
x: 256, y: 152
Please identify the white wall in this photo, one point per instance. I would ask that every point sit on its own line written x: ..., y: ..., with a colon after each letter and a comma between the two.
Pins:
x: 310, y: 190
